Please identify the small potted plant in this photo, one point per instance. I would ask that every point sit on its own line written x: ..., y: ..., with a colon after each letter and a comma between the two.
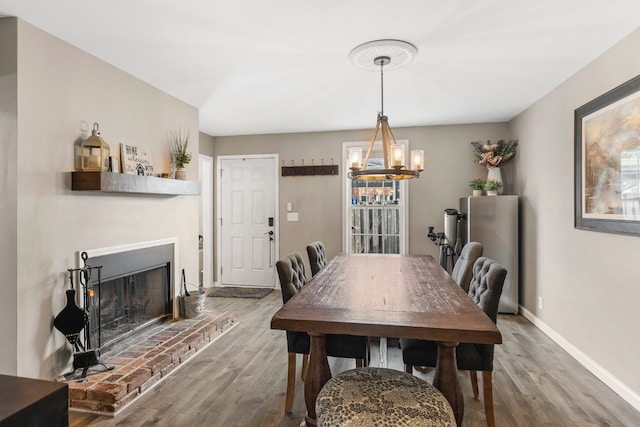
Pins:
x: 477, y: 185
x: 491, y: 187
x: 179, y: 141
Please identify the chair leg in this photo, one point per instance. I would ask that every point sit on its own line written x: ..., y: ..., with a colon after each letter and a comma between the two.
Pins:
x: 359, y: 363
x: 291, y: 382
x: 305, y: 365
x: 473, y: 375
x: 487, y: 395
x: 408, y: 369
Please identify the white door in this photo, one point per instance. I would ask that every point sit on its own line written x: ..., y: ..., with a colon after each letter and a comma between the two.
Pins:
x: 247, y: 221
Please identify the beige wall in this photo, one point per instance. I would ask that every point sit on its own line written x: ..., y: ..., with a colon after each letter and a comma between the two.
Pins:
x: 8, y: 207
x: 206, y: 144
x: 318, y: 199
x: 60, y: 86
x: 588, y: 280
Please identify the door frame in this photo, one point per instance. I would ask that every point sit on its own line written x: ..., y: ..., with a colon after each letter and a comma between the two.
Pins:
x: 346, y: 197
x: 206, y: 218
x: 218, y: 210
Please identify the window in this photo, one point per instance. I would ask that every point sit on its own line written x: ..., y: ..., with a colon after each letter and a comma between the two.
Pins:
x: 375, y: 212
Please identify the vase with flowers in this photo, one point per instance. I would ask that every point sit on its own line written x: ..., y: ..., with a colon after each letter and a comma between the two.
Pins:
x: 493, y: 156
x: 179, y: 141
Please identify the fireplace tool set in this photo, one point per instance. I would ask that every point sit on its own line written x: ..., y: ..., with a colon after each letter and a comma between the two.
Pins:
x: 72, y: 320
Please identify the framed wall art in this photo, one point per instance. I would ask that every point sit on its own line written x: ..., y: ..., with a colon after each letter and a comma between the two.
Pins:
x: 135, y: 160
x: 607, y: 161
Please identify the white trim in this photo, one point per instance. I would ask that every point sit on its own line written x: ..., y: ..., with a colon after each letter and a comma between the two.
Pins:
x: 206, y: 219
x: 175, y: 287
x: 591, y: 365
x: 346, y: 197
x: 92, y: 253
x: 218, y: 211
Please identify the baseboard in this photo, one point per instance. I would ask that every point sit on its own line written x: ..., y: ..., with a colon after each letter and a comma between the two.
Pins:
x: 604, y: 375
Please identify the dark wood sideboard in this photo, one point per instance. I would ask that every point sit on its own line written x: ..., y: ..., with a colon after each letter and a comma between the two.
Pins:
x: 25, y: 402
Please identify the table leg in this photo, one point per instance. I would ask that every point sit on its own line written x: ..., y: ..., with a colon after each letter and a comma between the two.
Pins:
x: 383, y: 352
x: 318, y: 373
x: 446, y: 378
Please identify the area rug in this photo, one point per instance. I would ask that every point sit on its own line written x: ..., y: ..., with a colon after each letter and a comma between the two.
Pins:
x: 238, y: 292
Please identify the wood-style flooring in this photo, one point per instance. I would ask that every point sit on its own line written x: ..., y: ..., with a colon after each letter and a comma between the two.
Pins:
x: 240, y: 380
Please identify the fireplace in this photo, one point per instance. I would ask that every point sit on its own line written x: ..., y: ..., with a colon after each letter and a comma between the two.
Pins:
x: 132, y: 293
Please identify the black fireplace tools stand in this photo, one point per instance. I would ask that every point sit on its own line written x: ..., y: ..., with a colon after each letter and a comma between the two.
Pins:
x: 72, y: 320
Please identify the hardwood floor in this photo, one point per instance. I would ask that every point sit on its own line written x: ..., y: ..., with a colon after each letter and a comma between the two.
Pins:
x: 240, y: 380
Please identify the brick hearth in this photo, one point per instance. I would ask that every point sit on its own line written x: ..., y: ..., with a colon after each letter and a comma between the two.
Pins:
x: 144, y: 364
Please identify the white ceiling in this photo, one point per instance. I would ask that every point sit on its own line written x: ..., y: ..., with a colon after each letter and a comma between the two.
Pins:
x: 274, y: 66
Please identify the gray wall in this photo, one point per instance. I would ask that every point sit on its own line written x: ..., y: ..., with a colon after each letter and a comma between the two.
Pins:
x: 58, y: 87
x: 588, y: 280
x: 318, y: 199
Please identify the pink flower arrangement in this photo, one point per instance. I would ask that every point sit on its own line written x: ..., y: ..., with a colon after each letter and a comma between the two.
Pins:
x: 494, y: 155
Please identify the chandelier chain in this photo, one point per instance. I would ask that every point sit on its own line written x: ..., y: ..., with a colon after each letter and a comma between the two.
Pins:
x: 381, y: 88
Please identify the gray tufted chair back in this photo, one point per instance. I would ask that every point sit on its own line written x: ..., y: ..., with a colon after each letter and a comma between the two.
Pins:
x: 486, y: 285
x: 291, y: 274
x: 463, y: 269
x: 317, y: 256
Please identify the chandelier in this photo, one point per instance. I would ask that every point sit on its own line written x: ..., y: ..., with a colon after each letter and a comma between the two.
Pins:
x: 392, y: 54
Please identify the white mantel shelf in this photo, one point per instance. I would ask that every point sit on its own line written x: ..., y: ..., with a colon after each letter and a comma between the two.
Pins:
x: 110, y: 182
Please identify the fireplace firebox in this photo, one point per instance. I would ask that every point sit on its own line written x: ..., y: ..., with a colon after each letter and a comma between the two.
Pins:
x: 133, y: 293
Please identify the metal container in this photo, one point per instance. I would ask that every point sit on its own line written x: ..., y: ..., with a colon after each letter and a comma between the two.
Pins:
x: 450, y: 226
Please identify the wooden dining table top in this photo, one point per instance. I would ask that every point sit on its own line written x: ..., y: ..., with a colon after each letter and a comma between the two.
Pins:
x: 399, y: 296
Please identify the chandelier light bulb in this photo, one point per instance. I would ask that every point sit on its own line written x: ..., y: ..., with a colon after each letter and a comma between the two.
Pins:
x: 355, y: 157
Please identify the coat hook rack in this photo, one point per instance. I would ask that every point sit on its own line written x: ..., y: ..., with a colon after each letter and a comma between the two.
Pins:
x: 307, y: 170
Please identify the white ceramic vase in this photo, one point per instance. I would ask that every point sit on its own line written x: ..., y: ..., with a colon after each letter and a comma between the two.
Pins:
x: 494, y: 174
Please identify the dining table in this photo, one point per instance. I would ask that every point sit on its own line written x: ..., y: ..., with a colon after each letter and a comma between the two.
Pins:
x: 386, y: 295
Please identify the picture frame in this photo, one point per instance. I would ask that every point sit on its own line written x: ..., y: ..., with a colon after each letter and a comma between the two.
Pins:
x: 135, y: 160
x: 607, y: 161
x: 114, y: 164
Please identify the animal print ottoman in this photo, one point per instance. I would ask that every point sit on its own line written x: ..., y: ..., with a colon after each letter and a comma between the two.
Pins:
x: 381, y: 397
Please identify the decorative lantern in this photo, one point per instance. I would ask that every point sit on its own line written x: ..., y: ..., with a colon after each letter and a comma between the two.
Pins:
x: 95, y: 152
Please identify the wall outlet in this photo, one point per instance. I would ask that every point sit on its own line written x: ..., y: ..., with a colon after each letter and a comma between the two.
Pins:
x: 540, y: 303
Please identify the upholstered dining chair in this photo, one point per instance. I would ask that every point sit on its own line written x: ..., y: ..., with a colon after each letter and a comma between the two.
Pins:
x: 463, y: 268
x: 291, y: 272
x: 317, y: 256
x: 485, y: 289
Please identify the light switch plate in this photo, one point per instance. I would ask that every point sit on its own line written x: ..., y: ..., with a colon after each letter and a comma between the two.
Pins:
x: 292, y: 216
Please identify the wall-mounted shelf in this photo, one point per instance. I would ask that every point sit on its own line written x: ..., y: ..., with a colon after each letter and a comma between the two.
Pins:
x: 309, y: 170
x: 110, y: 182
